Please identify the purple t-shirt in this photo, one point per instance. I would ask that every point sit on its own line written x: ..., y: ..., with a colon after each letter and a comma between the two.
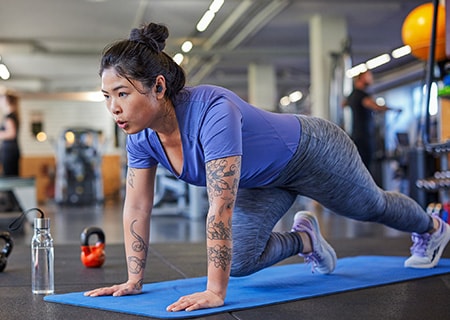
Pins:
x: 215, y: 123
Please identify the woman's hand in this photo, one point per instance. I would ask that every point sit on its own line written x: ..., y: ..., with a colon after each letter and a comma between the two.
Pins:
x: 195, y: 301
x: 118, y: 290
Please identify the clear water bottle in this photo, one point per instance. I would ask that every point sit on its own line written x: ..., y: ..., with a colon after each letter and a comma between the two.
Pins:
x: 42, y: 257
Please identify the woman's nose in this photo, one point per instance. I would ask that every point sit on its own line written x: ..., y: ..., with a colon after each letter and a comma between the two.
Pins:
x: 114, y: 108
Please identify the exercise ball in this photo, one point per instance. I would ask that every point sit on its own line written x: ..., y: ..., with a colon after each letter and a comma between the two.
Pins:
x: 416, y: 31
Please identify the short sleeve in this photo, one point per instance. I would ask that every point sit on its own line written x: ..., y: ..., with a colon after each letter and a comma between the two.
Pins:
x: 221, y: 133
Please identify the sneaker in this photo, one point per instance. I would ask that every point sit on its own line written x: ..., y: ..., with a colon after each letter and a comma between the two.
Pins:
x: 427, y: 248
x: 322, y: 258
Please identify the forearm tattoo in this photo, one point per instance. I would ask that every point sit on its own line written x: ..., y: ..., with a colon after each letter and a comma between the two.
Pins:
x: 136, y: 264
x: 139, y: 284
x: 220, y: 256
x: 218, y: 230
x: 130, y: 177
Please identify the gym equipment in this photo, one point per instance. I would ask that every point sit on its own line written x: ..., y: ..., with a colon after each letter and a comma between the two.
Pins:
x: 423, y: 158
x: 6, y: 251
x: 340, y: 86
x: 92, y: 256
x: 165, y: 183
x: 416, y: 31
x: 440, y: 210
x: 78, y: 167
x: 16, y: 194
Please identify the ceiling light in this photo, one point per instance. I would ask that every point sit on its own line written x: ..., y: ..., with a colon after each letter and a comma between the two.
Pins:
x: 41, y: 136
x: 401, y: 52
x: 4, y: 72
x: 380, y: 101
x: 295, y: 96
x: 216, y: 5
x: 353, y: 72
x: 205, y: 21
x: 284, y: 101
x: 178, y: 58
x: 378, y: 61
x: 209, y: 15
x: 187, y: 46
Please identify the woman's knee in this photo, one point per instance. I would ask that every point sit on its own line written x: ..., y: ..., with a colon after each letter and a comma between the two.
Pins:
x: 241, y: 268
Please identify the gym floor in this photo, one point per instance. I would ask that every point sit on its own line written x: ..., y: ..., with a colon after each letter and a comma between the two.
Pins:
x: 178, y: 242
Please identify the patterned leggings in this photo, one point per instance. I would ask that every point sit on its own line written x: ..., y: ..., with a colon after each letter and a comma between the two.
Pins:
x: 327, y: 168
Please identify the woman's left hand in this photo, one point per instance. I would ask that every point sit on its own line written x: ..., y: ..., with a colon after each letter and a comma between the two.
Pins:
x: 195, y: 301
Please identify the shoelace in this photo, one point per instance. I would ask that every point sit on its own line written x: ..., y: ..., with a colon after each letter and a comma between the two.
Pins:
x: 313, y: 259
x: 420, y: 244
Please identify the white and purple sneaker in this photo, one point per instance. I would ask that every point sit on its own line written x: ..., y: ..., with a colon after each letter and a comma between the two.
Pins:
x: 322, y: 258
x: 427, y: 248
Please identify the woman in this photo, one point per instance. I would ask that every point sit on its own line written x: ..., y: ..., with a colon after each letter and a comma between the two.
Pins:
x: 253, y: 164
x: 10, y: 152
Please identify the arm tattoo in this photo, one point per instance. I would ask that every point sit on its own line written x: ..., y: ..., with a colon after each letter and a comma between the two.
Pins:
x: 139, y: 284
x: 222, y: 184
x: 131, y: 175
x: 216, y: 173
x: 136, y: 264
x: 218, y: 230
x: 138, y: 245
x: 220, y: 256
x: 217, y: 185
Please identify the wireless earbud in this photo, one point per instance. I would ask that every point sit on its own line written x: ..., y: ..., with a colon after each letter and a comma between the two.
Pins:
x: 159, y: 88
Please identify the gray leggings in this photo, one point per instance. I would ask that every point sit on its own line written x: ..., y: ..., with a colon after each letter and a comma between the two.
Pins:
x: 327, y: 168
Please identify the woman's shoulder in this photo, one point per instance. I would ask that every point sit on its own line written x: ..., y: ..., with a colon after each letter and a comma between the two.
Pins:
x: 207, y: 91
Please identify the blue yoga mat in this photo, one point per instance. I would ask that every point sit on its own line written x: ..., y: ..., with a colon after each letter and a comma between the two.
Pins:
x: 272, y: 285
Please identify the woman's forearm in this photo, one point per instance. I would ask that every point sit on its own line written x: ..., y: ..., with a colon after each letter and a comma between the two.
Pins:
x: 136, y: 250
x: 219, y: 251
x: 136, y: 222
x: 222, y: 184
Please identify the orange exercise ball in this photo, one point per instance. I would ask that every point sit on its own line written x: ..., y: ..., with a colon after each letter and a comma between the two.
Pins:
x: 416, y: 31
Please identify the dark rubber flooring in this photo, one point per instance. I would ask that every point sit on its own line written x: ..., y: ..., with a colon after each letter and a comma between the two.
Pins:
x: 183, y: 255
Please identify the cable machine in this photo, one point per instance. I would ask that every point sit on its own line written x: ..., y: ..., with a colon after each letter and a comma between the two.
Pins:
x: 78, y: 167
x: 422, y: 185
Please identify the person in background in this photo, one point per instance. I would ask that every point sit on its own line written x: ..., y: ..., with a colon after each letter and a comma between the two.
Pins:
x: 363, y: 107
x: 10, y: 151
x: 254, y: 164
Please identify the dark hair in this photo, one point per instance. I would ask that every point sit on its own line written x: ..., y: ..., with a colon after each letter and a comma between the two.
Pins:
x: 141, y: 58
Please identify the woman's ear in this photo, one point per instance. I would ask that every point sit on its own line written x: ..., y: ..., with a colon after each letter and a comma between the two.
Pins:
x: 160, y: 84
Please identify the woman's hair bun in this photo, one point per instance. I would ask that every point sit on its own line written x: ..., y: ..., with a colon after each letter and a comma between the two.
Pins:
x: 152, y: 35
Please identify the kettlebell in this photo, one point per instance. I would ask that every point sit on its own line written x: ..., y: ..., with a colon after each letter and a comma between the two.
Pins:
x: 92, y: 256
x: 9, y: 244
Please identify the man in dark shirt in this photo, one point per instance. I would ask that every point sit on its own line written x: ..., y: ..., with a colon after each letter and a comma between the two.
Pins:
x: 363, y: 125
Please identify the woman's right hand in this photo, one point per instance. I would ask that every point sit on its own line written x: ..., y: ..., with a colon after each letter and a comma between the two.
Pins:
x: 127, y: 288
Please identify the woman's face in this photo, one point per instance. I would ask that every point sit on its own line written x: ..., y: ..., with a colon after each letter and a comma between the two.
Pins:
x: 132, y: 106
